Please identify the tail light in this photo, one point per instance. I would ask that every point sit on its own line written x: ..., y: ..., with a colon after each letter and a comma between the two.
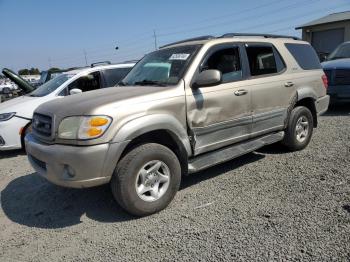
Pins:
x: 325, y: 81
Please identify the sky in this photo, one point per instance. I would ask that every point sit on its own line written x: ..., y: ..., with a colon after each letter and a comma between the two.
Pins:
x: 46, y: 33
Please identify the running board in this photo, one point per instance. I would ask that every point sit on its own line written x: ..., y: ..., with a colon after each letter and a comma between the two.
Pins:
x: 222, y: 155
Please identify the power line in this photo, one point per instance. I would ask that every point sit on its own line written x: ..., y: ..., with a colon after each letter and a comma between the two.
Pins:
x: 255, y: 16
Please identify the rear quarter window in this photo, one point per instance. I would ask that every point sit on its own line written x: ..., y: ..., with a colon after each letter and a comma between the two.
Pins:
x: 305, y: 56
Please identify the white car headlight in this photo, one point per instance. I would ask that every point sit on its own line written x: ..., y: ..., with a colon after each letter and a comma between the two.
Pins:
x: 6, y: 116
x: 83, y: 127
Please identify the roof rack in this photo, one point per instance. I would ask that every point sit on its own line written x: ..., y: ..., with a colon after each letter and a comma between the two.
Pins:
x: 205, y: 37
x: 101, y: 63
x: 260, y: 35
x: 129, y: 61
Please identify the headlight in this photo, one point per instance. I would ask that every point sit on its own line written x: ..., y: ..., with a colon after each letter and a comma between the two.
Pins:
x: 6, y: 116
x: 83, y: 127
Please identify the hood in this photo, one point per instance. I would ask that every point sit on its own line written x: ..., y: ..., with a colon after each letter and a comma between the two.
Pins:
x: 87, y: 103
x: 24, y: 106
x: 21, y: 83
x: 338, y: 63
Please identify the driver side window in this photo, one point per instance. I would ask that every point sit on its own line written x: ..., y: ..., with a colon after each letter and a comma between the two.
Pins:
x: 227, y: 61
x: 86, y: 83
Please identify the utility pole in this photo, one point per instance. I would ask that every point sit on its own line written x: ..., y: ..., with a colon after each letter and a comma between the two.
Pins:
x: 49, y: 62
x: 155, y: 39
x: 85, y: 55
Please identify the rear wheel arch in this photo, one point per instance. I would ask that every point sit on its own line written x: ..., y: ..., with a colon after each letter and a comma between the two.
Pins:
x: 309, y: 103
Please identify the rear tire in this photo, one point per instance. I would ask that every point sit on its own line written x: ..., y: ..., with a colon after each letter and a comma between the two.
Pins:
x: 299, y: 129
x: 146, y: 179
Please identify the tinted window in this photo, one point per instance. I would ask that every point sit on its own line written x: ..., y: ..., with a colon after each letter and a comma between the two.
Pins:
x: 113, y: 76
x: 227, y: 61
x: 342, y: 51
x: 305, y: 56
x: 264, y: 60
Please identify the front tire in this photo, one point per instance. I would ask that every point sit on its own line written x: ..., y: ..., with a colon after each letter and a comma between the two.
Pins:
x: 146, y: 179
x: 299, y: 129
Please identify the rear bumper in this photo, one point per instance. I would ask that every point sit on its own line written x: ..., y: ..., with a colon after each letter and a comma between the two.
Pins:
x: 322, y: 104
x: 74, y: 166
x: 339, y: 94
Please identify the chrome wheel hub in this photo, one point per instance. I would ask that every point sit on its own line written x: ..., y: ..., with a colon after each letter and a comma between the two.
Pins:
x: 152, y: 181
x: 302, y: 129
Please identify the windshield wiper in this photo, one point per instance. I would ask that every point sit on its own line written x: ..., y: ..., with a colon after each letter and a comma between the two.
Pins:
x: 121, y: 83
x: 146, y: 82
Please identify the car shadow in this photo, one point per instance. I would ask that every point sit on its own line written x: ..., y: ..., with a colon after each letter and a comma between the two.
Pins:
x: 32, y: 201
x: 12, y: 153
x: 220, y: 169
x: 338, y: 110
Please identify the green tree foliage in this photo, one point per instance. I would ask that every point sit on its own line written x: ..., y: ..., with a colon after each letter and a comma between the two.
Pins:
x: 31, y: 71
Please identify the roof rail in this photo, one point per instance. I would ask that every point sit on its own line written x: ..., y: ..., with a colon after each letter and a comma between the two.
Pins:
x: 205, y: 37
x: 101, y: 63
x: 260, y: 35
x: 129, y: 61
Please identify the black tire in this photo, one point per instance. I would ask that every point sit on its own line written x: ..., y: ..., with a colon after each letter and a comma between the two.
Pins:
x: 27, y: 130
x: 126, y: 173
x: 290, y: 139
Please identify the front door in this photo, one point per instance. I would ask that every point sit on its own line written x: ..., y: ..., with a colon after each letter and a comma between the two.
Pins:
x: 220, y: 115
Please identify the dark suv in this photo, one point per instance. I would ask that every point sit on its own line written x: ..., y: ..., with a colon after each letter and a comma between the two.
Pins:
x: 337, y: 69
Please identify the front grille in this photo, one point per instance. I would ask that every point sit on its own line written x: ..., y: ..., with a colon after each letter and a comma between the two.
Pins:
x: 42, y: 125
x: 341, y: 77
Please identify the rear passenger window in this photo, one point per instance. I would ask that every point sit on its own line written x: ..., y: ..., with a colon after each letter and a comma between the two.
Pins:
x: 115, y: 75
x: 305, y: 56
x: 227, y: 61
x: 264, y: 60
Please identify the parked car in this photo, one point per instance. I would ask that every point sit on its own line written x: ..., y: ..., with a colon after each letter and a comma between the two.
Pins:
x: 337, y: 69
x: 16, y: 114
x: 181, y: 109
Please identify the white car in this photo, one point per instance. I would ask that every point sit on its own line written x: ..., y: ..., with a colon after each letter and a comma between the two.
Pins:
x: 16, y: 114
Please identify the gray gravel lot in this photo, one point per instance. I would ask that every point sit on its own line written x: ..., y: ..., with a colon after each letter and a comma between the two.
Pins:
x: 267, y: 205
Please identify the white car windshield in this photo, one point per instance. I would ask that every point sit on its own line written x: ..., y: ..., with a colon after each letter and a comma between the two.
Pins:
x: 50, y: 86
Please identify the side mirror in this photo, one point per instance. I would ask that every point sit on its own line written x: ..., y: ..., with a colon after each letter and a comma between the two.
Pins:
x: 75, y: 91
x: 209, y: 77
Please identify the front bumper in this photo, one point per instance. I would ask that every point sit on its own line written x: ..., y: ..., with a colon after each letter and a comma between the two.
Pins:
x: 322, y: 105
x: 10, y: 137
x: 74, y: 166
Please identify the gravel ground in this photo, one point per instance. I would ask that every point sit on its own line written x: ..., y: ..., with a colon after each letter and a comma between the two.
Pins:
x: 268, y: 205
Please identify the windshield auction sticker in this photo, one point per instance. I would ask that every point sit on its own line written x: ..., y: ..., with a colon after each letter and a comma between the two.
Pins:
x: 179, y: 56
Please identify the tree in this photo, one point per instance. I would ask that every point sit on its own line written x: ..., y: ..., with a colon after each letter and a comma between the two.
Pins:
x: 32, y: 71
x: 23, y: 72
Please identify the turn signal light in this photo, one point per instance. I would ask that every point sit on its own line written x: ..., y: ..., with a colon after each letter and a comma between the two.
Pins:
x: 98, y: 121
x: 94, y: 131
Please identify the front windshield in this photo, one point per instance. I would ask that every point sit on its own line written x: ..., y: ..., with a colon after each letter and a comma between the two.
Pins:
x: 162, y: 67
x: 342, y: 51
x: 51, y: 85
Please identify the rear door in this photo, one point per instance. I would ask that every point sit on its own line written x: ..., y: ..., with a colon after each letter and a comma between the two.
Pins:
x: 272, y: 89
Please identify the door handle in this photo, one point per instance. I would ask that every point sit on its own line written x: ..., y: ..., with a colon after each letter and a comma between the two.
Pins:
x: 289, y: 84
x: 241, y: 92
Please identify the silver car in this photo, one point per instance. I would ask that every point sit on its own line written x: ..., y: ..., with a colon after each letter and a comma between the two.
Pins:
x: 183, y: 108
